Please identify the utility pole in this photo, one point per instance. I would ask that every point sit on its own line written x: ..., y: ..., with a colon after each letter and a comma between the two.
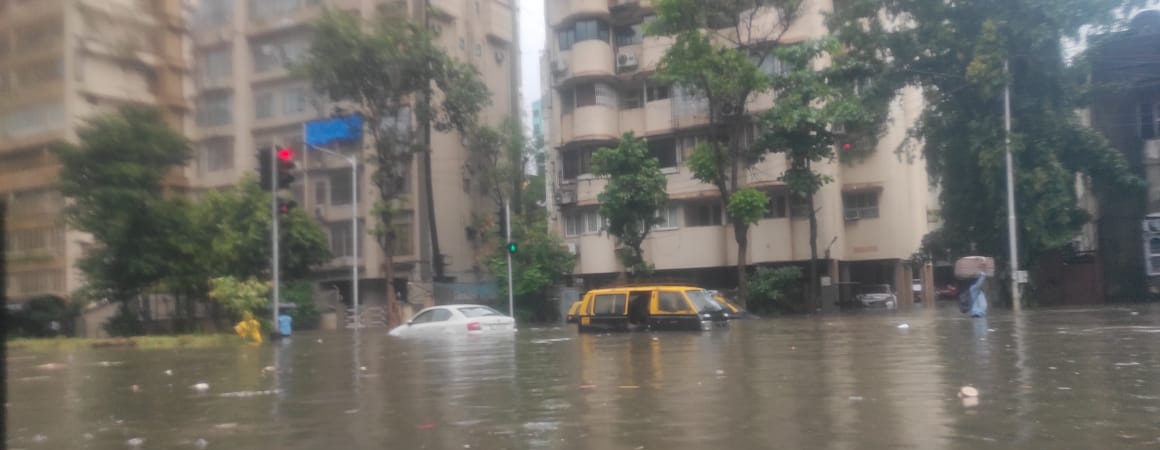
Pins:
x: 1012, y: 235
x: 507, y: 213
x: 274, y: 269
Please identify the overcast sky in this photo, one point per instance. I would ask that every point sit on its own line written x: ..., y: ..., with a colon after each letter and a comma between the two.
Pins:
x: 531, y: 43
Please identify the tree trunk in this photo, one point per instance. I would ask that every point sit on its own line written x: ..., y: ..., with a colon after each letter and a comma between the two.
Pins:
x: 394, y: 313
x: 813, y: 278
x: 741, y: 235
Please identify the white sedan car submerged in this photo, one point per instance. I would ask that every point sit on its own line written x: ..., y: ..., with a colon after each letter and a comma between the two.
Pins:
x: 446, y: 320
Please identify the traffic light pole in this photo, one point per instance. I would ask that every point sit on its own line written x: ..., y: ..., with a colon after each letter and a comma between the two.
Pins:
x: 507, y: 217
x: 274, y: 266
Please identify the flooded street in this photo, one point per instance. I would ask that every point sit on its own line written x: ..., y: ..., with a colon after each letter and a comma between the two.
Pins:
x: 1067, y: 378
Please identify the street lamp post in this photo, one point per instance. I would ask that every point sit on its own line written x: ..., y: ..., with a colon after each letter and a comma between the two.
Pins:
x: 353, y: 161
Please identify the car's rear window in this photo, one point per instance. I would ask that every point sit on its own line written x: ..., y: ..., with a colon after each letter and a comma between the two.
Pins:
x: 478, y: 311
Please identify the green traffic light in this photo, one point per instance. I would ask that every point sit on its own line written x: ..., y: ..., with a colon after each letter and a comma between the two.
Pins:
x: 512, y: 247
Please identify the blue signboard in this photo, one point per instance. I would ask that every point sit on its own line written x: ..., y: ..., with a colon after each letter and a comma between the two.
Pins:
x: 320, y: 133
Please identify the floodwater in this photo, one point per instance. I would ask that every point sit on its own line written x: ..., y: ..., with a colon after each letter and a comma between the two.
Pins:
x: 1059, y: 379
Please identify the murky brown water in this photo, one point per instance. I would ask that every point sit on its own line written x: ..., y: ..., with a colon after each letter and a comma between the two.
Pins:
x: 1048, y: 379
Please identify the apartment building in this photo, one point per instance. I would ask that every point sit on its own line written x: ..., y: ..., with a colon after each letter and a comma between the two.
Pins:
x: 598, y: 82
x: 247, y: 99
x: 60, y: 62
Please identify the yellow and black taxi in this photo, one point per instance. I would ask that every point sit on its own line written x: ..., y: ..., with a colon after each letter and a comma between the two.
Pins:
x: 649, y: 307
x: 573, y: 312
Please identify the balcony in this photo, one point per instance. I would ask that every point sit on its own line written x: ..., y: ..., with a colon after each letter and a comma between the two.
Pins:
x: 562, y: 11
x: 590, y: 58
x: 595, y: 122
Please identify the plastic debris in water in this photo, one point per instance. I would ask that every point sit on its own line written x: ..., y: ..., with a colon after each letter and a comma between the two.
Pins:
x: 200, y: 387
x: 135, y: 388
x: 169, y: 372
x: 720, y: 372
x: 200, y: 443
x: 855, y: 398
x: 968, y: 391
x: 226, y: 426
x: 50, y: 366
x: 39, y: 438
x: 320, y: 341
x: 363, y: 368
x: 426, y: 426
x: 587, y: 387
x: 135, y: 442
x: 970, y: 402
x: 904, y: 326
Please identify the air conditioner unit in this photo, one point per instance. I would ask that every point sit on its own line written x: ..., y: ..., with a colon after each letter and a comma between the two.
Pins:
x: 625, y: 61
x: 559, y: 66
x: 1152, y: 150
x: 853, y: 214
x: 565, y: 197
x: 573, y: 248
x: 320, y: 211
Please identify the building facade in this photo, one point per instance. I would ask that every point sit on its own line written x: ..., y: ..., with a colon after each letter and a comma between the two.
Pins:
x: 247, y: 99
x: 598, y: 84
x: 1126, y: 232
x: 60, y: 62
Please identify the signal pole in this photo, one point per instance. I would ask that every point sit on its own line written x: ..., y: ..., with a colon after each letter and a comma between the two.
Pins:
x: 274, y: 230
x: 507, y: 217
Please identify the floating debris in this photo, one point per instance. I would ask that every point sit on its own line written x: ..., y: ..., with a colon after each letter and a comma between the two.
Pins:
x: 135, y: 388
x: 904, y: 326
x: 587, y: 387
x: 39, y: 438
x: 968, y: 391
x: 168, y: 372
x: 250, y: 393
x: 630, y: 387
x: 720, y: 372
x: 51, y: 366
x: 200, y: 443
x: 200, y: 387
x: 226, y: 426
x: 546, y: 341
x: 425, y: 426
x: 856, y: 398
x: 1127, y: 364
x: 135, y: 442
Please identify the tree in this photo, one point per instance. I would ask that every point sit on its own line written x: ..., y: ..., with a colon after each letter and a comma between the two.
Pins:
x: 239, y: 296
x: 498, y: 158
x: 811, y: 104
x: 633, y: 197
x: 956, y: 52
x: 379, y: 68
x: 719, y: 49
x: 114, y: 178
x: 541, y: 263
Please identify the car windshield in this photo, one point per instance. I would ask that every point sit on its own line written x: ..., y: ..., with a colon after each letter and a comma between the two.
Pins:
x: 703, y: 300
x: 877, y: 289
x: 478, y: 311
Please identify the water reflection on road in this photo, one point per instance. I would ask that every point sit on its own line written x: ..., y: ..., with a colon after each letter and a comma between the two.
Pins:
x: 1048, y: 379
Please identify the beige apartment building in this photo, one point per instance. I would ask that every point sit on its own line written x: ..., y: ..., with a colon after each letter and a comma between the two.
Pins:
x: 62, y: 61
x: 247, y: 99
x: 597, y: 76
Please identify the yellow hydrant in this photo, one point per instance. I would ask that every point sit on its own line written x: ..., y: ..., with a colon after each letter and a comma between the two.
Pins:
x: 249, y: 328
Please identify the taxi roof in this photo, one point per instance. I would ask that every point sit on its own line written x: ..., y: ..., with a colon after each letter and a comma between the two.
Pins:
x: 641, y: 287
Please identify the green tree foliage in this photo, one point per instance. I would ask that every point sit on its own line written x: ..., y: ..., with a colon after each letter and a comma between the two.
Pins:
x: 300, y: 294
x: 498, y: 158
x: 955, y: 51
x: 773, y: 290
x: 811, y: 104
x: 719, y: 47
x: 632, y: 198
x: 113, y: 178
x: 379, y: 67
x: 541, y: 263
x: 237, y: 296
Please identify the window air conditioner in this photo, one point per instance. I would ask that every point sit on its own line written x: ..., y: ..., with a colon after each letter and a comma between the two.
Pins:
x: 625, y: 60
x: 565, y: 197
x: 853, y: 214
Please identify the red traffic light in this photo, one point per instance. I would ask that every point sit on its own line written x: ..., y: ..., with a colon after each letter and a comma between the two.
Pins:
x: 846, y: 146
x: 286, y: 154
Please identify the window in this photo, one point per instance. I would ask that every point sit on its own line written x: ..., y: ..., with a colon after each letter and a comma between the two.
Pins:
x: 567, y: 102
x: 341, y: 239
x: 275, y: 53
x: 320, y: 193
x: 665, y: 152
x: 770, y: 65
x: 38, y: 36
x: 629, y: 35
x: 423, y: 317
x: 263, y: 105
x: 40, y: 73
x: 777, y: 207
x: 215, y: 110
x: 294, y: 100
x: 214, y: 64
x: 403, y: 244
x: 340, y: 188
x: 37, y: 281
x: 799, y: 206
x: 266, y: 9
x: 33, y: 119
x: 671, y: 302
x: 478, y: 50
x: 703, y: 214
x: 472, y: 312
x: 585, y: 95
x: 218, y: 155
x: 40, y: 240
x: 631, y: 99
x: 577, y: 162
x: 583, y: 30
x: 582, y: 221
x: 668, y: 218
x: 860, y: 205
x: 657, y: 92
x: 609, y: 304
x: 213, y: 12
